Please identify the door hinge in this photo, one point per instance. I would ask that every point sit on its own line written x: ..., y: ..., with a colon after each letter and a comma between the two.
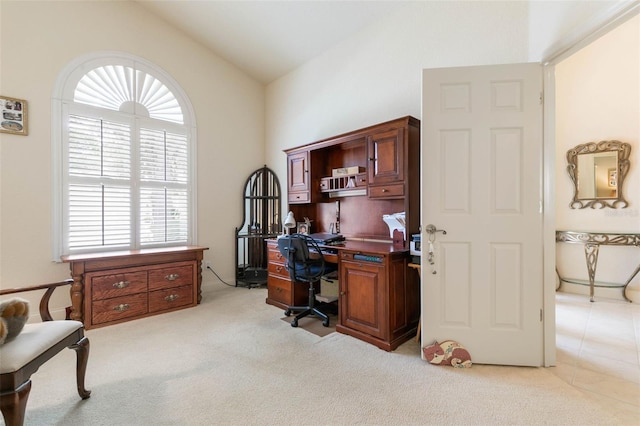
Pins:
x: 540, y: 315
x: 541, y: 97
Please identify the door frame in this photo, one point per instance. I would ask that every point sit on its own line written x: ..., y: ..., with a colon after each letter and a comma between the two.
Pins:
x: 582, y: 36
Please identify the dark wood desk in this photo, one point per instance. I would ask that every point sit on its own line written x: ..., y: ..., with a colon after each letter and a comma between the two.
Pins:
x: 379, y: 295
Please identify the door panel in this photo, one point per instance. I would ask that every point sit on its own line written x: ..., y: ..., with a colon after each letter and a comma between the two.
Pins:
x: 482, y: 184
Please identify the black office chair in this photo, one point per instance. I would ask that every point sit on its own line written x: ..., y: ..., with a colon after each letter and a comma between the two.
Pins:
x: 305, y: 263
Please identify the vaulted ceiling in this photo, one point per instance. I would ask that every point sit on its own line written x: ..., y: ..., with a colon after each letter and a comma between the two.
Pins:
x: 267, y: 39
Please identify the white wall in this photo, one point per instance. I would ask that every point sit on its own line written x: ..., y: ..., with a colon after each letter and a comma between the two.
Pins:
x: 598, y: 98
x: 37, y: 40
x: 375, y: 75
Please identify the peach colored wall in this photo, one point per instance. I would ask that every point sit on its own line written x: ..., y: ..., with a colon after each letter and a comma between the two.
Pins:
x: 598, y: 98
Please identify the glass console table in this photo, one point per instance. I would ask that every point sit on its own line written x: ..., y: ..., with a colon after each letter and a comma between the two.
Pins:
x: 592, y: 242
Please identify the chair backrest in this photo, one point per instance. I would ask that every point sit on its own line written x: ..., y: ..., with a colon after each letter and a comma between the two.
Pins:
x: 302, y: 266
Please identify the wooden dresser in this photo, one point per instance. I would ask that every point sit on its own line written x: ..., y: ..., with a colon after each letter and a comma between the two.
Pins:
x: 113, y: 287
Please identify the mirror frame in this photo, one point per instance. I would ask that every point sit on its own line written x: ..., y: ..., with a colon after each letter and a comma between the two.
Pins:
x: 624, y: 151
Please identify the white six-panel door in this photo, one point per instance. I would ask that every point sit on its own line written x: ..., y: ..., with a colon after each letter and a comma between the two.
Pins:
x: 482, y: 183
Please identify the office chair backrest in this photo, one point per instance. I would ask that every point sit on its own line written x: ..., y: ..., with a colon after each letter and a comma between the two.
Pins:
x: 300, y: 264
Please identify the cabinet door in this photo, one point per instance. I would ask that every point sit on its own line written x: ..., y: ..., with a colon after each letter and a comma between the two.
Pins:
x: 386, y: 156
x: 362, y: 302
x: 298, y: 177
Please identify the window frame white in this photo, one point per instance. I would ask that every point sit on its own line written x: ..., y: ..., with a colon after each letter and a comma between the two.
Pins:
x: 63, y: 104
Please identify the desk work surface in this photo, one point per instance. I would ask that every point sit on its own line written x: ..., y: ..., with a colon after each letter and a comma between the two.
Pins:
x: 364, y: 246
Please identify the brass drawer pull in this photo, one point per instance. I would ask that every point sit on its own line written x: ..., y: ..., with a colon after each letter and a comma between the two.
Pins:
x: 121, y: 284
x: 171, y: 297
x: 171, y: 277
x: 278, y: 268
x: 121, y: 308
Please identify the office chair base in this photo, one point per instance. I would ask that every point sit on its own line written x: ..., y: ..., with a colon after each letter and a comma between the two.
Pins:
x: 309, y: 311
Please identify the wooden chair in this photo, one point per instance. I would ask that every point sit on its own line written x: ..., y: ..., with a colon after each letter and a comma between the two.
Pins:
x: 35, y: 345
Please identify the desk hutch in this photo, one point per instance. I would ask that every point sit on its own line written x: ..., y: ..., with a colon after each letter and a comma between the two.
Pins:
x: 378, y: 293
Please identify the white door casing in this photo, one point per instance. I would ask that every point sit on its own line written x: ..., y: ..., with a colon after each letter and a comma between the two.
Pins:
x: 482, y: 183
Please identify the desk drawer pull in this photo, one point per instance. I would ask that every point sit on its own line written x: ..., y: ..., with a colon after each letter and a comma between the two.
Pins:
x: 171, y: 277
x: 171, y: 297
x: 122, y: 307
x: 121, y: 284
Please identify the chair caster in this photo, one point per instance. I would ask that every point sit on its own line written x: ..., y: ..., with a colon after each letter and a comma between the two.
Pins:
x: 325, y: 323
x: 287, y: 313
x: 294, y: 323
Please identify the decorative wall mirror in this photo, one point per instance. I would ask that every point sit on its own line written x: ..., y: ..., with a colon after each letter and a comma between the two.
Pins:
x: 597, y: 170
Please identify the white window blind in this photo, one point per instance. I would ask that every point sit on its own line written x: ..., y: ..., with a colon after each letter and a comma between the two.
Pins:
x: 127, y: 164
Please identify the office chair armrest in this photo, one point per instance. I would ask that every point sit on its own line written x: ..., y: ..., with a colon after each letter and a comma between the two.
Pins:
x: 45, y: 315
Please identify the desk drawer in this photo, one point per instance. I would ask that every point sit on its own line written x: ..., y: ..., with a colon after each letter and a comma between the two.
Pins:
x: 396, y: 190
x: 278, y: 269
x: 279, y: 289
x: 117, y: 285
x: 274, y: 254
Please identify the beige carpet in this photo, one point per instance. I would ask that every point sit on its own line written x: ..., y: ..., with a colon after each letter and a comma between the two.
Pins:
x: 233, y: 361
x: 314, y: 325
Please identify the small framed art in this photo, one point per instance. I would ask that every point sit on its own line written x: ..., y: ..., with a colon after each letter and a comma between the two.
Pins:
x: 303, y: 228
x: 13, y: 116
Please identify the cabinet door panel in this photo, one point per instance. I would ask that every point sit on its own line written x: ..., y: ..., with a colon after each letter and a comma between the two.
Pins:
x: 386, y: 157
x: 362, y: 306
x: 299, y: 178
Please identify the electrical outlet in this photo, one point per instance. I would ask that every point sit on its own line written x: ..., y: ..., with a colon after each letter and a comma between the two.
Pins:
x: 207, y: 265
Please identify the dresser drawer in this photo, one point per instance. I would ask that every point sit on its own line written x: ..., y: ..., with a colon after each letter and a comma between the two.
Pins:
x: 278, y: 269
x: 279, y: 289
x: 162, y: 300
x: 118, y: 308
x: 116, y: 285
x: 173, y: 276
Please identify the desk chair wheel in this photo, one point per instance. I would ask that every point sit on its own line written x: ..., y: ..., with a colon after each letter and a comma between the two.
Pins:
x: 294, y: 323
x: 287, y: 313
x: 325, y: 323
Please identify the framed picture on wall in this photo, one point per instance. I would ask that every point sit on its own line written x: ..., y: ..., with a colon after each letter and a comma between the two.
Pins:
x: 13, y: 116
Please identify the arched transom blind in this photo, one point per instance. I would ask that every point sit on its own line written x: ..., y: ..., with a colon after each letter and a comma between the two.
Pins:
x: 115, y: 87
x: 128, y: 164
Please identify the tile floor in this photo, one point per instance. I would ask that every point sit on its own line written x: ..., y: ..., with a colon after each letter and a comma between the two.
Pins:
x: 598, y: 351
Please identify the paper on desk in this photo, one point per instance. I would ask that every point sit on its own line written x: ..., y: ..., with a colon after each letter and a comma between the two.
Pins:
x: 395, y: 221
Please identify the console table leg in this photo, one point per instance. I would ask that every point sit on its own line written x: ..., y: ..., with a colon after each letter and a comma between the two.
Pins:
x: 591, y: 255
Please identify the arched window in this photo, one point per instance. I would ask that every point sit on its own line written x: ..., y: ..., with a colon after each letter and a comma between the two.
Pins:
x: 124, y: 172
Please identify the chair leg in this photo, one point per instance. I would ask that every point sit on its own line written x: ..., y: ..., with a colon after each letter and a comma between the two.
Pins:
x: 14, y: 404
x: 82, y: 357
